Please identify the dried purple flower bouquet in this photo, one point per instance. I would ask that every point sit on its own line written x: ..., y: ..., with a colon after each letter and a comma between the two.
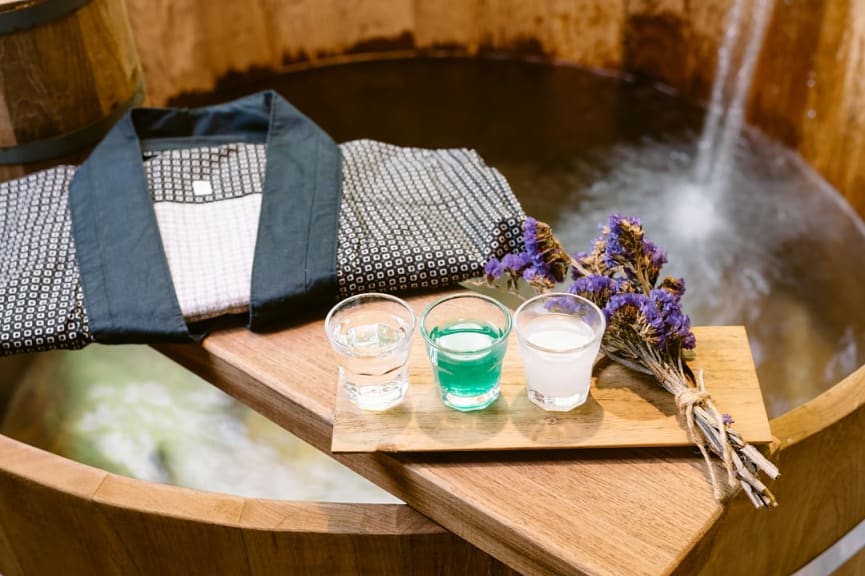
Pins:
x: 646, y: 331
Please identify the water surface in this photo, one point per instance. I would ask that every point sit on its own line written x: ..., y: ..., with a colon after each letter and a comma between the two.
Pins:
x: 131, y: 411
x: 769, y: 244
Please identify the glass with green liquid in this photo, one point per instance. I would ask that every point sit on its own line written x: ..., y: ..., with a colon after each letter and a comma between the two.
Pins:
x: 466, y: 338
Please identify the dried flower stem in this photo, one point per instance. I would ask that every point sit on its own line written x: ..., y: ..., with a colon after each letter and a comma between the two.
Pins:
x: 646, y: 331
x: 704, y: 422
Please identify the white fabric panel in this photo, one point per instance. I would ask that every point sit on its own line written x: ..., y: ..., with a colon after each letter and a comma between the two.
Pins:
x: 210, y: 249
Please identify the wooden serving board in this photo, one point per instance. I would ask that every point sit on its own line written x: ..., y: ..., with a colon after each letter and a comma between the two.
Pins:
x: 624, y: 409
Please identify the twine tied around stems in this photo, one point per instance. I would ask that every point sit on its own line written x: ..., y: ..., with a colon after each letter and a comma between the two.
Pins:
x: 686, y: 400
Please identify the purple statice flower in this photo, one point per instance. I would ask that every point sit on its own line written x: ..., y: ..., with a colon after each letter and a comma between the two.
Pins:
x: 549, y: 261
x: 654, y: 258
x: 656, y: 328
x: 655, y: 255
x: 494, y: 269
x: 624, y: 307
x: 516, y: 262
x: 597, y: 288
x: 689, y: 341
x: 623, y: 237
x: 613, y: 254
x: 530, y: 239
x: 616, y: 223
x: 582, y: 265
x: 675, y: 286
x: 676, y: 324
x: 728, y: 420
x: 539, y: 276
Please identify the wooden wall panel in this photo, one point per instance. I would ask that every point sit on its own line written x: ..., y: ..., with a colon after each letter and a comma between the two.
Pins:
x: 675, y: 41
x: 107, y: 38
x: 188, y: 45
x: 833, y: 124
x: 185, y: 45
x: 325, y: 28
x: 809, y: 88
x: 588, y: 32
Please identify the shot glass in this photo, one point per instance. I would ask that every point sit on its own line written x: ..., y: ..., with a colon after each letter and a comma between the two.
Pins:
x: 466, y: 337
x: 559, y: 336
x: 371, y: 335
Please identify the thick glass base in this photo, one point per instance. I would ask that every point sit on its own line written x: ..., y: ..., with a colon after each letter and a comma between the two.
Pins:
x: 557, y: 403
x: 375, y: 396
x: 469, y: 403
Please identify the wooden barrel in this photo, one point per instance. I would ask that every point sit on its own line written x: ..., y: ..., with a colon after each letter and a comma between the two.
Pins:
x: 816, y: 108
x: 61, y: 517
x: 68, y: 72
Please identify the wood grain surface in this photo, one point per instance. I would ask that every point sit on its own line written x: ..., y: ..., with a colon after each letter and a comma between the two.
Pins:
x: 100, y: 523
x: 625, y: 511
x: 63, y: 76
x: 605, y: 512
x: 624, y: 409
x: 821, y: 493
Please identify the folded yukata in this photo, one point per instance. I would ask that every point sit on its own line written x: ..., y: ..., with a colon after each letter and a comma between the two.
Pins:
x: 180, y: 216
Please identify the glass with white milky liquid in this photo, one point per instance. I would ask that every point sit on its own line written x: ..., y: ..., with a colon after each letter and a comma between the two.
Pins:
x: 559, y: 336
x: 371, y: 335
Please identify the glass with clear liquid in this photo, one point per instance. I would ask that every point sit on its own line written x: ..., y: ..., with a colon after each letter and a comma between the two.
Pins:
x: 559, y: 337
x: 371, y: 336
x: 466, y: 338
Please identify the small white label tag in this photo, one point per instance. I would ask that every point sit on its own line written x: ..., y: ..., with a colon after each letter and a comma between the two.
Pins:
x: 201, y: 188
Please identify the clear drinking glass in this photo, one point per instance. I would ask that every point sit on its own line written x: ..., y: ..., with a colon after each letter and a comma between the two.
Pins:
x: 559, y: 335
x: 466, y: 337
x: 371, y: 335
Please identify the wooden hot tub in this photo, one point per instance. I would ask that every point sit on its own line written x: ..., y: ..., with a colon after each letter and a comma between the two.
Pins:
x: 58, y: 516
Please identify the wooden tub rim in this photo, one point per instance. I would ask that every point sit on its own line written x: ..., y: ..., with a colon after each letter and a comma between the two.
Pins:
x: 86, y: 482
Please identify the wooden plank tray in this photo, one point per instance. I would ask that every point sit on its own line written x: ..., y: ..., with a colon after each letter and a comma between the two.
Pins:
x: 625, y: 409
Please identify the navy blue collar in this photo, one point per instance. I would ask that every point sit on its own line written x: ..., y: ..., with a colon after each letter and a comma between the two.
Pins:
x: 127, y: 285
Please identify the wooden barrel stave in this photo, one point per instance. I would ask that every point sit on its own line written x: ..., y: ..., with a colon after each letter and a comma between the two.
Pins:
x: 63, y: 83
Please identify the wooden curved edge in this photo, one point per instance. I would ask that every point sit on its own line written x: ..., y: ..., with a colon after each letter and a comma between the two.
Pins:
x: 36, y: 466
x: 820, y: 492
x: 8, y: 5
x: 100, y: 523
x: 844, y: 399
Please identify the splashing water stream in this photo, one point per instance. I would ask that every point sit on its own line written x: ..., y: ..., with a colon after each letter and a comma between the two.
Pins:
x: 725, y: 120
x: 706, y: 148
